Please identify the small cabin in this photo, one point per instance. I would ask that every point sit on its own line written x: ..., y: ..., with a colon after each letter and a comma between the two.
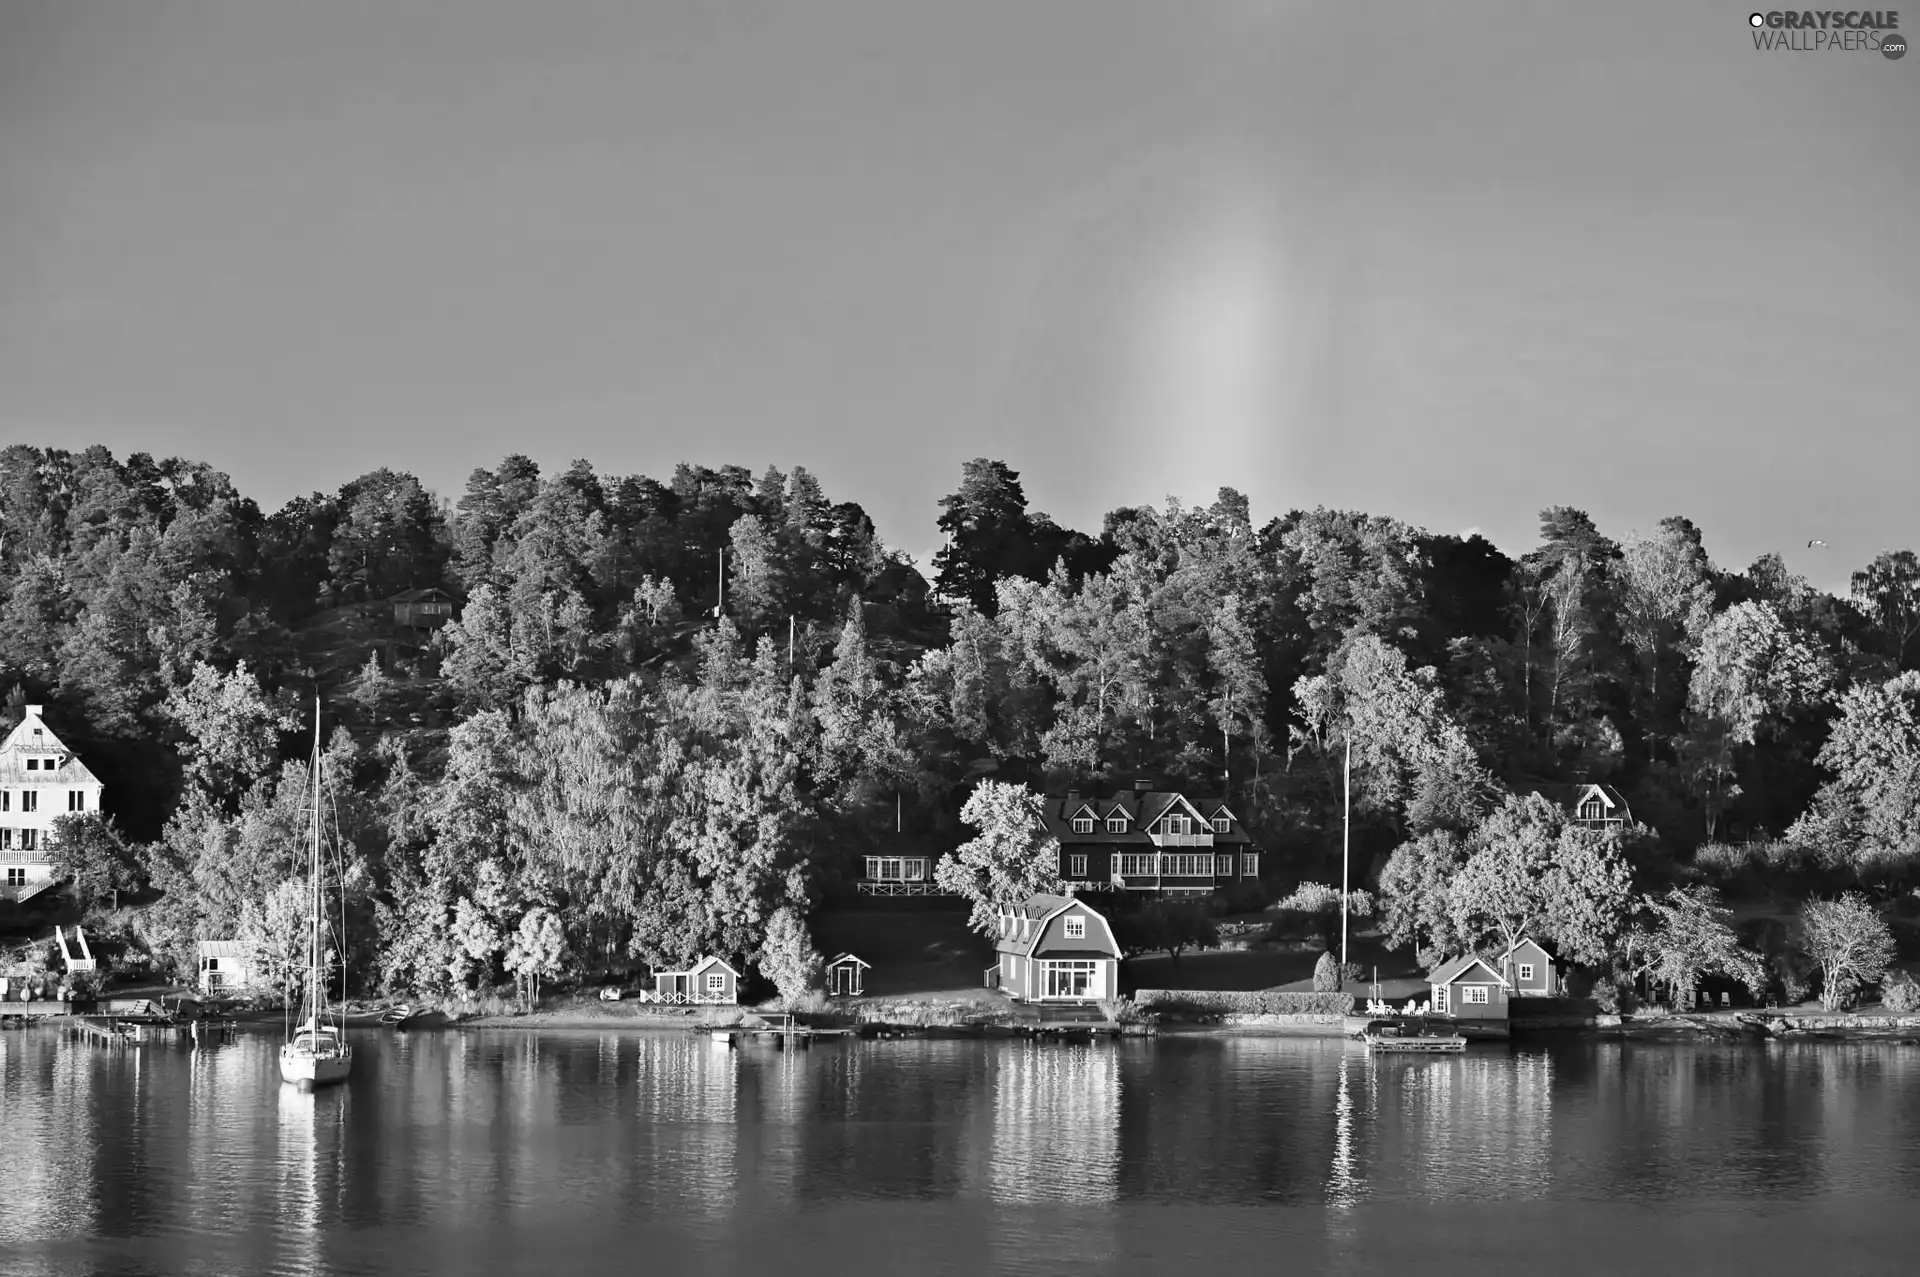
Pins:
x: 423, y: 609
x: 709, y: 981
x: 225, y: 967
x: 846, y: 976
x: 1054, y: 949
x: 1528, y: 969
x: 1469, y: 989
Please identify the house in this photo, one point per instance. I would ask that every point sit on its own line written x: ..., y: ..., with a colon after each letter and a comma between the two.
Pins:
x: 423, y: 609
x: 1149, y: 837
x: 1591, y: 804
x: 225, y: 967
x: 846, y: 976
x: 1469, y: 989
x: 1528, y: 969
x: 1054, y: 949
x: 41, y: 780
x: 709, y: 981
x: 902, y: 867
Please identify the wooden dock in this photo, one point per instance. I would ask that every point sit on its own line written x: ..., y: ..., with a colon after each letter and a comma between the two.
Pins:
x: 783, y: 1032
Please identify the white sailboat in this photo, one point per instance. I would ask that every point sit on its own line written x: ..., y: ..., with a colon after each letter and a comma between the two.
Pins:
x: 317, y: 1051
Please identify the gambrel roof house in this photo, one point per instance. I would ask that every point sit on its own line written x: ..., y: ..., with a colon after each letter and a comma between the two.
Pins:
x: 1055, y: 949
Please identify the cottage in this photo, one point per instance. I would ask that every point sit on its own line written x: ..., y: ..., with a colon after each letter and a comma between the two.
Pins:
x: 1528, y: 969
x: 1469, y: 989
x: 1150, y: 838
x: 709, y: 981
x: 423, y: 609
x: 846, y: 976
x: 1588, y: 803
x: 1055, y: 949
x: 225, y: 967
x: 41, y: 780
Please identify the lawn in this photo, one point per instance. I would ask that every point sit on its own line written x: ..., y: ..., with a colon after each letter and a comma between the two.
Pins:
x: 911, y: 951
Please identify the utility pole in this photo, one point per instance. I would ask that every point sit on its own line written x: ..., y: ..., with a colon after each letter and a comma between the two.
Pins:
x: 789, y: 645
x: 723, y: 584
x: 1346, y: 846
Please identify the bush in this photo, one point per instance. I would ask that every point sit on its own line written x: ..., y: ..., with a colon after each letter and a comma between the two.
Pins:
x: 1606, y: 996
x: 1326, y: 974
x: 1900, y: 994
x: 1250, y: 1003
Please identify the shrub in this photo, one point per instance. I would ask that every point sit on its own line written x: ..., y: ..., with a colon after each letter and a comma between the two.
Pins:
x: 1326, y: 974
x: 1245, y: 1003
x: 1725, y: 862
x: 1900, y: 994
x: 1606, y: 996
x: 1119, y: 1011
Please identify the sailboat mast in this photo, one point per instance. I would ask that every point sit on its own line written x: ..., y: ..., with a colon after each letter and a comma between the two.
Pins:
x: 315, y: 990
x: 1346, y: 855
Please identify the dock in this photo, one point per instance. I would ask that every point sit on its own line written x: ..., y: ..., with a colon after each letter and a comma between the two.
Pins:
x: 784, y: 1032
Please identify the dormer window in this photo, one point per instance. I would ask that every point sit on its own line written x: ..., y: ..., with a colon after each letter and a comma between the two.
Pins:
x: 1222, y: 824
x: 1116, y: 824
x: 1083, y: 824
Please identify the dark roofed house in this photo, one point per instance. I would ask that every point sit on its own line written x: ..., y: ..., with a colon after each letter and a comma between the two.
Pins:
x: 1054, y: 949
x: 1149, y: 837
x: 423, y: 609
x: 1589, y: 803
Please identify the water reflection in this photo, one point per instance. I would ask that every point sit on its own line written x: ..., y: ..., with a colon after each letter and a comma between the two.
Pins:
x: 514, y: 1152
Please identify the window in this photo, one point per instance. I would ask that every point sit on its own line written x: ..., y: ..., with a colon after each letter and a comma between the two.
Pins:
x: 6, y: 839
x: 16, y: 877
x: 1440, y: 999
x: 1070, y: 979
x: 1083, y: 824
x: 33, y: 764
x: 1222, y: 825
x: 1477, y: 995
x: 1116, y: 824
x: 1076, y: 928
x: 896, y: 869
x: 716, y: 982
x: 1076, y: 866
x: 213, y: 964
x: 1187, y: 866
x: 1526, y: 971
x: 29, y: 800
x: 1179, y: 825
x: 1592, y: 810
x: 1134, y: 866
x: 29, y: 839
x: 1250, y: 865
x: 6, y: 800
x: 76, y: 800
x: 1223, y: 866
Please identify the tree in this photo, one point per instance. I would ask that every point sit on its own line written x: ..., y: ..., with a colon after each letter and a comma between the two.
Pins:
x: 537, y: 951
x: 87, y: 850
x: 275, y: 931
x: 1532, y: 872
x: 1888, y: 590
x: 787, y: 956
x: 1690, y: 936
x: 1867, y: 817
x: 1848, y: 942
x: 1012, y: 858
x: 1666, y: 599
x: 232, y: 729
x: 1319, y: 906
x: 1170, y: 926
x: 1414, y: 888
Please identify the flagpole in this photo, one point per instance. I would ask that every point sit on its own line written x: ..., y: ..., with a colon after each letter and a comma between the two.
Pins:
x: 1346, y: 843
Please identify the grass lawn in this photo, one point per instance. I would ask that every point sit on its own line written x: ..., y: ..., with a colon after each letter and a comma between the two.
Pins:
x: 922, y: 952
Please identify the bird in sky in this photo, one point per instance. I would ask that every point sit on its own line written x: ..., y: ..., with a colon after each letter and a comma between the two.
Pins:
x: 1821, y: 544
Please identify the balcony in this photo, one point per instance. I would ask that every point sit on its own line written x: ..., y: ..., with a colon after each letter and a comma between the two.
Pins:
x: 39, y: 857
x: 1180, y: 840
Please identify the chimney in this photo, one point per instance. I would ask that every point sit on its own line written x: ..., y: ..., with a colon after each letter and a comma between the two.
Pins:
x: 33, y: 711
x: 1073, y: 797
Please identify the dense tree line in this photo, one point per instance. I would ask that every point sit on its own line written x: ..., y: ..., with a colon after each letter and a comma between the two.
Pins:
x: 670, y: 716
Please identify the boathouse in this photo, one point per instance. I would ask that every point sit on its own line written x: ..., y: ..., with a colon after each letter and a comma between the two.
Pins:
x: 1054, y: 949
x: 846, y: 976
x: 1469, y: 989
x: 709, y: 981
x: 225, y: 967
x: 1528, y: 969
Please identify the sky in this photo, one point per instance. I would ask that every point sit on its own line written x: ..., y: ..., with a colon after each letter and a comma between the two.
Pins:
x: 1451, y: 263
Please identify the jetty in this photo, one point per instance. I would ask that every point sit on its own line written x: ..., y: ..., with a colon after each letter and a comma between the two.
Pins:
x: 784, y: 1032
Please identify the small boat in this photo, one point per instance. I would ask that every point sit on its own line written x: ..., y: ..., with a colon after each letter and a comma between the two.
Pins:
x: 1406, y: 1035
x: 396, y: 1017
x: 317, y: 1051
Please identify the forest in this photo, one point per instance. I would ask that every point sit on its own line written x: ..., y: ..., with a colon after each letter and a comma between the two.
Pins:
x: 670, y: 717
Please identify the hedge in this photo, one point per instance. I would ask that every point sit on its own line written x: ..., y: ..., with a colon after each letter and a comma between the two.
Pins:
x: 1255, y: 1003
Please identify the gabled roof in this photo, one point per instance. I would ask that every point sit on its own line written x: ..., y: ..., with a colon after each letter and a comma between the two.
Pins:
x: 702, y: 965
x: 848, y: 957
x: 33, y: 738
x: 425, y: 594
x: 1042, y: 909
x: 1452, y: 972
x: 1570, y: 796
x: 222, y: 949
x: 1527, y: 940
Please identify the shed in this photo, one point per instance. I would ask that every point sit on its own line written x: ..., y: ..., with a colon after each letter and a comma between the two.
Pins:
x: 846, y: 976
x: 1528, y: 968
x: 708, y: 981
x: 225, y: 966
x: 1469, y: 989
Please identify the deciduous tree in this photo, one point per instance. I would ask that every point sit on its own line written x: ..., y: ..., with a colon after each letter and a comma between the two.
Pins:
x: 1012, y: 858
x: 1849, y: 942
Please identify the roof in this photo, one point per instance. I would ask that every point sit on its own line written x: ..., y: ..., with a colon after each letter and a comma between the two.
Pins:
x: 1451, y: 972
x: 1041, y: 910
x: 848, y: 957
x: 222, y: 949
x: 1527, y: 940
x: 1140, y: 807
x: 703, y: 964
x: 1570, y: 795
x: 425, y: 594
x: 34, y: 739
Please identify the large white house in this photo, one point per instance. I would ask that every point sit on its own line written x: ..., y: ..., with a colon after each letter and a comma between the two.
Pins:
x: 40, y: 781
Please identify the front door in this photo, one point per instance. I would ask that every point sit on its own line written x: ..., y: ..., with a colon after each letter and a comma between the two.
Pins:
x: 1070, y: 979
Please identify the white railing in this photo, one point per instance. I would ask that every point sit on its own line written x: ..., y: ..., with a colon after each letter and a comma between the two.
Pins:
x: 16, y: 857
x: 901, y: 889
x: 1181, y: 840
x: 85, y: 962
x: 684, y: 999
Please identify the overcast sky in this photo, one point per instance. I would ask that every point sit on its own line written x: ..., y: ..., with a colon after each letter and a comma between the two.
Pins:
x: 1452, y: 264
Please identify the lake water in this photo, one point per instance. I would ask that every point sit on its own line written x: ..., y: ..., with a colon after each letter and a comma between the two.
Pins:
x: 506, y: 1152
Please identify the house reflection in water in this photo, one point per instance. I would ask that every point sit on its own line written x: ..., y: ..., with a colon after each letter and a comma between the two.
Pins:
x: 1468, y: 1127
x: 46, y: 1153
x: 1056, y: 1124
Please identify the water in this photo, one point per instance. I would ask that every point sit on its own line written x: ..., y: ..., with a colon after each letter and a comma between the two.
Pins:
x: 573, y: 1153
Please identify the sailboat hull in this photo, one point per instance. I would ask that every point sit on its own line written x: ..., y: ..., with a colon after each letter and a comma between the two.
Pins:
x: 306, y: 1070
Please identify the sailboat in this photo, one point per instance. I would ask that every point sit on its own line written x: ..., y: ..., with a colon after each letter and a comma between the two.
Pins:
x: 316, y: 1051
